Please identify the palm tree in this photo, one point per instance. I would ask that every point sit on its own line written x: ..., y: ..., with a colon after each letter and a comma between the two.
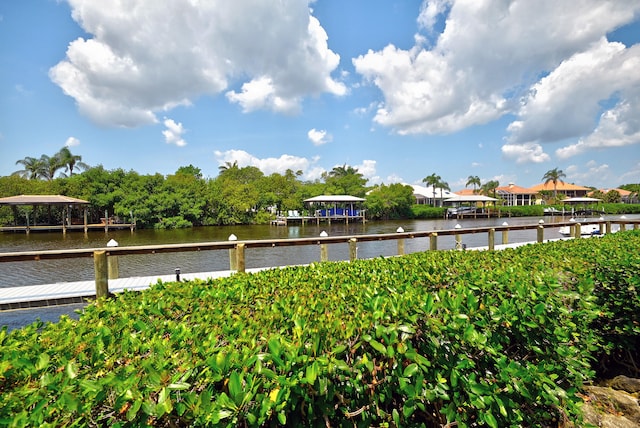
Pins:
x: 70, y: 161
x: 227, y: 166
x: 436, y: 182
x: 51, y: 166
x: 33, y: 168
x: 343, y: 171
x: 554, y: 175
x: 433, y: 180
x: 473, y: 180
x: 489, y: 188
x: 443, y: 185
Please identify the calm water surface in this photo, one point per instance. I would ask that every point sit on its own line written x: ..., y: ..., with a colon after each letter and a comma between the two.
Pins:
x: 52, y: 271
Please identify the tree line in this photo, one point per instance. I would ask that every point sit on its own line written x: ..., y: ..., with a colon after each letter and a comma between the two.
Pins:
x: 238, y: 195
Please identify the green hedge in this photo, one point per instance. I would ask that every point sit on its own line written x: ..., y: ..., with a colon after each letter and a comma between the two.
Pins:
x: 480, y: 338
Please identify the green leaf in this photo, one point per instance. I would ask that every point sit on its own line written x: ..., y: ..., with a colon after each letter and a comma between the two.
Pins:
x: 490, y: 419
x: 378, y: 346
x: 43, y: 361
x: 410, y: 370
x: 235, y: 388
x: 72, y: 370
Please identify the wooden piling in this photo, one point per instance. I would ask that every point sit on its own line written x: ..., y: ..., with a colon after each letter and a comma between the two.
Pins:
x: 353, y: 249
x: 577, y: 231
x: 505, y: 236
x: 492, y: 239
x: 101, y: 273
x: 433, y: 241
x: 240, y: 260
x: 609, y: 228
x: 113, y: 267
x: 540, y: 233
x: 324, y: 253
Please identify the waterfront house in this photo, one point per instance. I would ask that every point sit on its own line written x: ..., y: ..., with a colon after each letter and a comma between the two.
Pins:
x: 429, y: 195
x: 513, y: 195
x: 566, y: 190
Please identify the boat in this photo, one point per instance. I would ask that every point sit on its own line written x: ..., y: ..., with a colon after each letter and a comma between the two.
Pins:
x: 585, y: 230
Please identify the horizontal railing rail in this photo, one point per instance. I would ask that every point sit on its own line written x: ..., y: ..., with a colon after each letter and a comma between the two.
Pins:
x: 104, y: 256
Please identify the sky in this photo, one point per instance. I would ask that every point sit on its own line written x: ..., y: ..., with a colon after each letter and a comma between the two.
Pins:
x: 399, y: 89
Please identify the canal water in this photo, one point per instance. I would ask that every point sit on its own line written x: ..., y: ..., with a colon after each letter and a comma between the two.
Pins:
x: 67, y: 270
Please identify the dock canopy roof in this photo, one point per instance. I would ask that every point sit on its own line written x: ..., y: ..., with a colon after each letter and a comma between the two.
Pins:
x: 334, y: 198
x: 581, y: 200
x: 471, y: 198
x: 42, y: 200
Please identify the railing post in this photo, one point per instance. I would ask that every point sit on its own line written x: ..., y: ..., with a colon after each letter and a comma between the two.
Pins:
x: 577, y: 232
x: 609, y: 228
x: 240, y: 263
x: 101, y: 273
x: 232, y: 253
x: 458, y: 238
x: 400, y: 242
x: 505, y: 234
x: 433, y: 241
x: 492, y: 239
x: 353, y: 249
x: 112, y: 261
x: 623, y: 226
x: 324, y: 251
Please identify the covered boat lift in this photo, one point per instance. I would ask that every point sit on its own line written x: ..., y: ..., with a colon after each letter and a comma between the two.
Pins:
x: 67, y: 203
x: 585, y: 202
x: 337, y: 208
x: 473, y: 199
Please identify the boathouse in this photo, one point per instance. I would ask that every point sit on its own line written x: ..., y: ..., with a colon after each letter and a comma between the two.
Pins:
x: 330, y: 208
x: 64, y: 223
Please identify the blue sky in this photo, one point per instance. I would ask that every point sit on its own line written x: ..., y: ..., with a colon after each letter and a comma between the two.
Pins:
x: 398, y: 89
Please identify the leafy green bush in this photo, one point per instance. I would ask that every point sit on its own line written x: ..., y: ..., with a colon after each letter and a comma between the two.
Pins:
x: 522, y: 211
x: 426, y: 212
x: 617, y: 288
x: 480, y: 338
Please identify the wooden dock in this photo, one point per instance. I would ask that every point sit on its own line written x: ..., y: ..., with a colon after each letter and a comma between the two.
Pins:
x: 68, y: 228
x: 81, y: 291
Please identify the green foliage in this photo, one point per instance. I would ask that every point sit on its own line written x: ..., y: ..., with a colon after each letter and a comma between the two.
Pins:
x: 522, y: 211
x: 344, y: 180
x: 390, y: 202
x: 477, y: 338
x: 427, y: 212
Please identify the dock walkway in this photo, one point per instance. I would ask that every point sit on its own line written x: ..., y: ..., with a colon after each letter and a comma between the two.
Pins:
x: 80, y: 291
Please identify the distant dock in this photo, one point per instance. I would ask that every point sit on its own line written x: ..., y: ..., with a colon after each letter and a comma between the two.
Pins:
x: 335, y: 215
x: 69, y: 228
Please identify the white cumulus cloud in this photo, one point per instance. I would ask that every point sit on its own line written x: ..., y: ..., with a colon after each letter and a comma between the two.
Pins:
x: 270, y: 165
x: 145, y: 57
x: 548, y: 65
x: 525, y: 153
x: 72, y: 142
x: 319, y: 137
x: 173, y: 133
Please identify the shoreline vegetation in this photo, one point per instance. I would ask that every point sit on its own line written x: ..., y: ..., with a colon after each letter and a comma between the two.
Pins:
x: 504, y: 338
x: 238, y: 195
